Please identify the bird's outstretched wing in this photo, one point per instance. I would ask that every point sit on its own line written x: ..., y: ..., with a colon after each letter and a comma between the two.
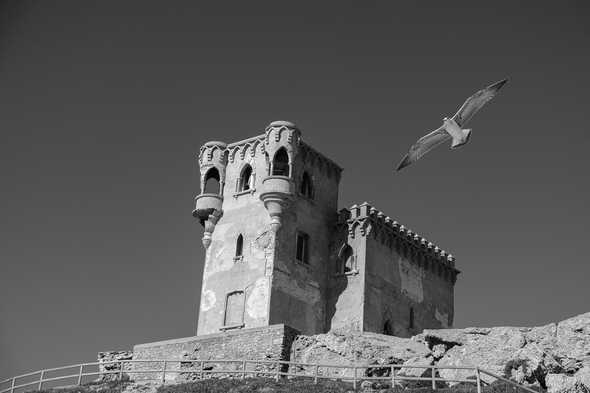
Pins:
x: 423, y: 146
x: 476, y: 102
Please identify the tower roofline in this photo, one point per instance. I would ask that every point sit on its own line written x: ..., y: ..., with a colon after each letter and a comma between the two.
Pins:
x: 391, y: 228
x: 258, y: 141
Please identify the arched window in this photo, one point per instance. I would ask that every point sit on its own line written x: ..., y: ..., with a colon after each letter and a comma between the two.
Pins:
x: 211, y: 181
x: 387, y: 328
x: 411, y: 322
x: 245, y: 182
x: 239, y: 246
x: 280, y: 163
x: 345, y: 259
x: 306, y: 187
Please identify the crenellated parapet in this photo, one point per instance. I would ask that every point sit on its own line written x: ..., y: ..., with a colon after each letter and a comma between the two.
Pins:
x: 246, y: 148
x: 278, y: 134
x: 368, y: 221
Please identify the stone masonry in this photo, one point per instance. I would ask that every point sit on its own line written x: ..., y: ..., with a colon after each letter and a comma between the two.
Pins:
x: 264, y: 343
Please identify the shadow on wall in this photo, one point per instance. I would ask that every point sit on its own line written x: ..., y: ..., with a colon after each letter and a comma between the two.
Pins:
x: 339, y: 286
x: 344, y: 264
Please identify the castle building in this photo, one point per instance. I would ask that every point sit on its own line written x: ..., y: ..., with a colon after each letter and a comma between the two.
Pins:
x: 278, y: 251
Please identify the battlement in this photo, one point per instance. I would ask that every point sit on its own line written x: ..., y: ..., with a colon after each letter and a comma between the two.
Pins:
x: 375, y: 223
x: 277, y: 134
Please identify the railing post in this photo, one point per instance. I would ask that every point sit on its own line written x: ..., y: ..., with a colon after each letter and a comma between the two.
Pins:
x: 243, y: 369
x: 80, y: 375
x: 317, y: 369
x: 41, y: 380
x: 202, y: 371
x: 278, y: 370
x: 354, y: 377
x: 164, y: 372
x: 433, y: 378
x: 478, y: 379
x: 12, y: 385
x: 392, y: 376
x: 120, y: 370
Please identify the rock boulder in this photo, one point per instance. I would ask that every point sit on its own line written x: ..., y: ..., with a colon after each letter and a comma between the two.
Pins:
x: 554, y: 356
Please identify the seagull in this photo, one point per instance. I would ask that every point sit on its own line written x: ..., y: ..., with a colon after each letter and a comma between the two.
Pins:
x: 451, y: 128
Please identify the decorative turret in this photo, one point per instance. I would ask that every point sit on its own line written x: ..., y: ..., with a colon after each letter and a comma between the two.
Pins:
x: 281, y: 144
x: 212, y: 163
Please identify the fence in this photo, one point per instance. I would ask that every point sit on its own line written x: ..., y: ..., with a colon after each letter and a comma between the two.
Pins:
x: 169, y: 370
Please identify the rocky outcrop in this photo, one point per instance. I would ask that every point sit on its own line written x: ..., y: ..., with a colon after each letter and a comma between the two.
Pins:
x: 345, y: 349
x: 526, y: 355
x: 555, y: 357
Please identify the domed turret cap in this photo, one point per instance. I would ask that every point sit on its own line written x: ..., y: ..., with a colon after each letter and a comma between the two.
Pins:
x: 282, y: 123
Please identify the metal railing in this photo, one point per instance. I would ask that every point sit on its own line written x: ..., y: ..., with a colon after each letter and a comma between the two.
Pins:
x: 169, y: 370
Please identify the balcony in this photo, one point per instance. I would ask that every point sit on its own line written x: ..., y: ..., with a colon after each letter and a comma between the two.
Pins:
x: 206, y: 204
x: 276, y: 194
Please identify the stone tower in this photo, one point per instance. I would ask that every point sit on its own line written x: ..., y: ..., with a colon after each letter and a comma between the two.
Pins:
x: 268, y: 205
x: 278, y: 251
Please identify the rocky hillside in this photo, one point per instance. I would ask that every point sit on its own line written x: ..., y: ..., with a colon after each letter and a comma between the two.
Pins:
x: 555, y: 357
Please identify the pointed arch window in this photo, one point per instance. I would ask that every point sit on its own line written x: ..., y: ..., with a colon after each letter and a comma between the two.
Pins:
x: 239, y: 248
x: 280, y: 163
x: 346, y: 261
x: 211, y: 182
x: 387, y: 328
x: 306, y: 186
x: 411, y: 321
x: 245, y: 182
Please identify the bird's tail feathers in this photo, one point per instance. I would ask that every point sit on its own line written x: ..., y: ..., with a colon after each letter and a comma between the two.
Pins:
x: 458, y: 142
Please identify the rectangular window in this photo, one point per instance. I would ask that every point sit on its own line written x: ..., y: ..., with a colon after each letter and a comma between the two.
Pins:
x: 302, y: 247
x: 234, y: 309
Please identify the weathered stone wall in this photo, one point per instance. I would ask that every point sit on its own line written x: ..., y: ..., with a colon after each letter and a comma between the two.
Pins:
x: 243, y: 213
x: 398, y: 283
x: 397, y: 286
x: 266, y: 343
x: 299, y: 290
x: 109, y: 368
x: 346, y: 289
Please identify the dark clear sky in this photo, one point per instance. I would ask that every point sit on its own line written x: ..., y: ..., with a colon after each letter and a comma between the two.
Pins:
x: 103, y: 106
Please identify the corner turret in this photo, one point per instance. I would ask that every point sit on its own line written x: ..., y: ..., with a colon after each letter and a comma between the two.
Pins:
x: 208, y: 204
x: 281, y: 144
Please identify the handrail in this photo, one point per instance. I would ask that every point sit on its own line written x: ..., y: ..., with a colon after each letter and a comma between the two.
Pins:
x: 508, y: 381
x: 164, y: 369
